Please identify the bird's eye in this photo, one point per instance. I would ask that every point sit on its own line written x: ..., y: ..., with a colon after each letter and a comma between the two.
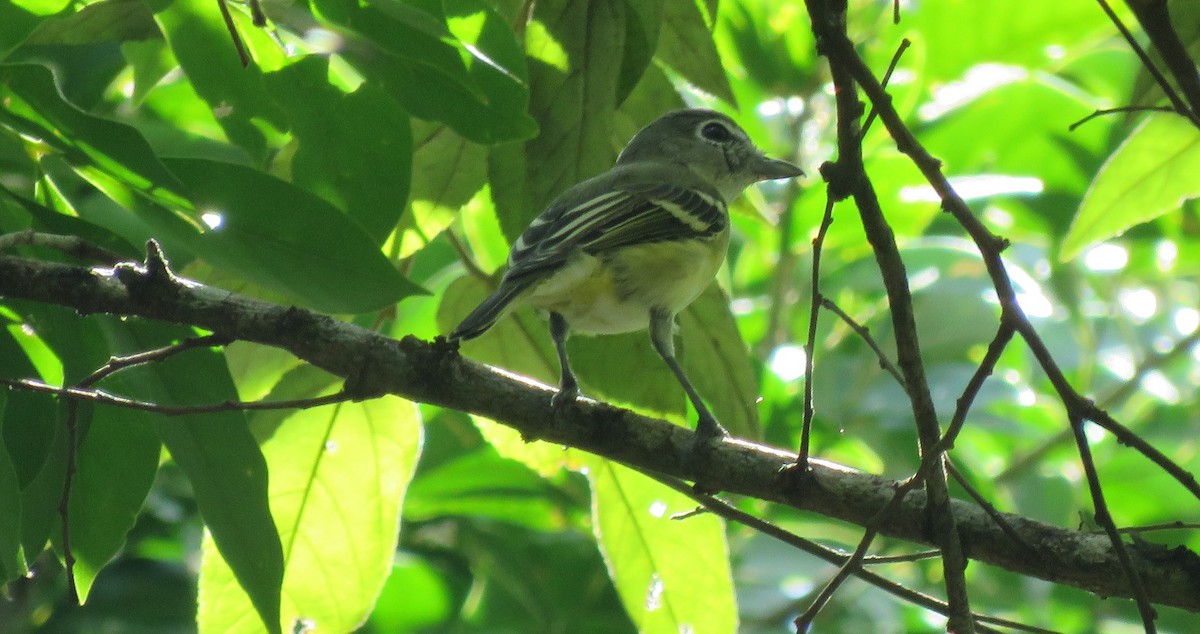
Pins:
x: 715, y: 132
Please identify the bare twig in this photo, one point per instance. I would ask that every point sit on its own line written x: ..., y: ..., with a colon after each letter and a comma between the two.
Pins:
x: 1104, y: 518
x: 1121, y: 110
x: 1155, y: 18
x: 243, y: 54
x: 73, y: 246
x: 105, y: 398
x: 731, y: 513
x: 887, y: 76
x: 1162, y: 82
x: 810, y: 344
x: 848, y: 177
x: 1153, y: 361
x: 865, y: 333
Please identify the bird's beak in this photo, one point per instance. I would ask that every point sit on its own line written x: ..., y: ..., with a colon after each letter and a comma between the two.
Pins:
x: 767, y: 169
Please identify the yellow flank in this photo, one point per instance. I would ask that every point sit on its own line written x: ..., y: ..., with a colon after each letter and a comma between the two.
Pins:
x: 613, y: 292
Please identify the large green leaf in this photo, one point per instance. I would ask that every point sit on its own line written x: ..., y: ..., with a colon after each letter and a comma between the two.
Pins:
x: 643, y: 23
x: 338, y: 479
x: 203, y: 46
x: 17, y: 21
x: 672, y: 575
x: 355, y: 150
x: 34, y: 108
x: 572, y: 48
x: 1150, y: 174
x: 686, y: 46
x: 447, y: 171
x: 104, y: 21
x: 12, y: 564
x: 288, y: 240
x: 106, y: 494
x: 221, y: 460
x: 414, y: 56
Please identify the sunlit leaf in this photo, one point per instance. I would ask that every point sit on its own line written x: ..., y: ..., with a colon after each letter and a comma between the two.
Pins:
x: 36, y: 109
x: 222, y: 461
x: 288, y: 240
x: 672, y: 575
x: 355, y: 149
x: 202, y: 43
x: 686, y: 46
x: 574, y: 108
x: 338, y: 479
x: 1146, y: 177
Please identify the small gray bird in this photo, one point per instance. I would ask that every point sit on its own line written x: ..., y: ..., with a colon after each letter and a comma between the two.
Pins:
x: 630, y: 248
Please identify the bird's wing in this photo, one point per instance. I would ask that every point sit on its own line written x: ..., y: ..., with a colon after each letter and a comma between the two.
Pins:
x: 633, y: 214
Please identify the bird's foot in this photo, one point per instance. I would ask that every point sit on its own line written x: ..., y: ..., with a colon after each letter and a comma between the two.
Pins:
x: 565, y: 397
x: 708, y: 435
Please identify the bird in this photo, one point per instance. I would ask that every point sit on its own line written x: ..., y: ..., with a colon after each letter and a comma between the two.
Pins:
x: 629, y: 249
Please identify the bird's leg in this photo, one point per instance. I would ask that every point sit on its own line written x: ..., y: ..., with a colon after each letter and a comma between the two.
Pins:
x: 662, y: 336
x: 568, y: 387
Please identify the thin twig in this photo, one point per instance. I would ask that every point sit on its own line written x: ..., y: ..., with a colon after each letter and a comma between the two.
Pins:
x: 849, y: 177
x: 73, y: 246
x: 865, y: 333
x: 989, y: 245
x: 1166, y: 86
x: 1155, y: 18
x: 1105, y: 520
x: 987, y: 506
x: 904, y: 44
x: 1123, y: 109
x: 243, y: 55
x: 810, y: 344
x: 105, y: 398
x: 731, y: 513
x: 464, y: 256
x: 1153, y: 361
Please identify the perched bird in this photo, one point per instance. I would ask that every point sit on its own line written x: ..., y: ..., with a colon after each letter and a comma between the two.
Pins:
x: 630, y: 248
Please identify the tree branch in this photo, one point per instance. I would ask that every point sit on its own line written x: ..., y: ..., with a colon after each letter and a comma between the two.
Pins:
x: 434, y: 373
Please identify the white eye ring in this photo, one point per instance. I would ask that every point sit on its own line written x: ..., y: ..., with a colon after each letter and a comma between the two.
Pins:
x: 716, y: 132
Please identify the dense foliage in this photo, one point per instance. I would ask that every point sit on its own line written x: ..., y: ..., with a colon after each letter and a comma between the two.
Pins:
x: 374, y: 160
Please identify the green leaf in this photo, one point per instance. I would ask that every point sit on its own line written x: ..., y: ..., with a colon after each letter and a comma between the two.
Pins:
x: 220, y: 458
x: 447, y: 171
x: 672, y: 575
x: 518, y: 343
x: 12, y: 564
x: 414, y: 56
x: 18, y: 20
x: 150, y: 61
x: 686, y: 46
x: 571, y: 48
x: 355, y: 149
x: 34, y: 108
x: 105, y: 21
x: 643, y: 23
x: 203, y: 45
x: 288, y: 240
x: 718, y: 363
x: 483, y: 484
x: 107, y: 494
x: 1150, y: 174
x: 338, y: 479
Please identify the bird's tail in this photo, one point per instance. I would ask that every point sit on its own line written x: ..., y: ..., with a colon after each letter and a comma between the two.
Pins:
x: 487, y: 312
